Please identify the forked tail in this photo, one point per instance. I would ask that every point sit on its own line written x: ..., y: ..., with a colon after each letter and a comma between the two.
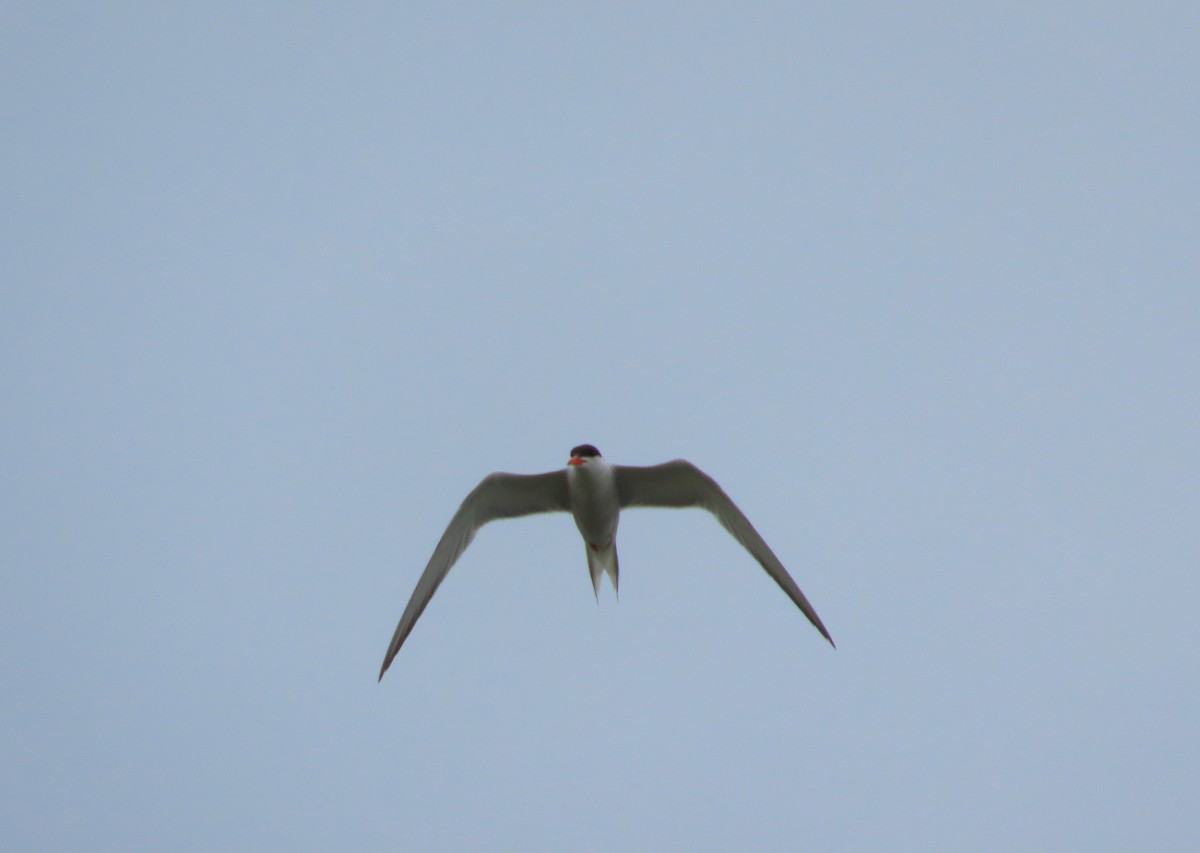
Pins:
x: 601, y: 560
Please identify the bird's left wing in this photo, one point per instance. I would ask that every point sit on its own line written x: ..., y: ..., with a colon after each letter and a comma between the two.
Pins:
x: 497, y: 496
x: 681, y: 484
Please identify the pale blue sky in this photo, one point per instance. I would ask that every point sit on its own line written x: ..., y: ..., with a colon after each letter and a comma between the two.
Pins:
x: 919, y: 284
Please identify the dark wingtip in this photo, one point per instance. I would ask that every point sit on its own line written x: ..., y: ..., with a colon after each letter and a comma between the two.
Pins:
x: 820, y: 626
x: 825, y: 633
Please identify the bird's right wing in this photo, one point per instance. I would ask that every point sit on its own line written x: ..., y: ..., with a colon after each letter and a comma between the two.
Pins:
x: 681, y: 484
x: 497, y: 496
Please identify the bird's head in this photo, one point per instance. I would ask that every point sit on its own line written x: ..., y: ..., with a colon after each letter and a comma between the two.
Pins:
x: 583, y: 454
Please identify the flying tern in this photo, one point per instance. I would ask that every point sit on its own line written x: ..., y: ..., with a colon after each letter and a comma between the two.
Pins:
x: 594, y: 492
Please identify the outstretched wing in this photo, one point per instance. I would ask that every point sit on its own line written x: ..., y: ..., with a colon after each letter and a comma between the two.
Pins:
x: 681, y: 484
x: 497, y: 496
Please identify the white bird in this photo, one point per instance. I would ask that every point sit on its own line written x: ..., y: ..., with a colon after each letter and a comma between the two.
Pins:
x: 594, y: 492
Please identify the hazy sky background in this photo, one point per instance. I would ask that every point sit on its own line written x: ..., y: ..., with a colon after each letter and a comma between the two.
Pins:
x: 919, y: 284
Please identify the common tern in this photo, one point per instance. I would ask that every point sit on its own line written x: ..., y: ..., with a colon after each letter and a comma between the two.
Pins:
x: 594, y: 492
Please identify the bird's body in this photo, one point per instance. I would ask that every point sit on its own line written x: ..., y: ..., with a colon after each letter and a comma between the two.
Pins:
x: 592, y: 489
x: 594, y: 492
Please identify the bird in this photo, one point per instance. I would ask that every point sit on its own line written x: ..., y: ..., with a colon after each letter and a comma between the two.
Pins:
x: 594, y: 492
